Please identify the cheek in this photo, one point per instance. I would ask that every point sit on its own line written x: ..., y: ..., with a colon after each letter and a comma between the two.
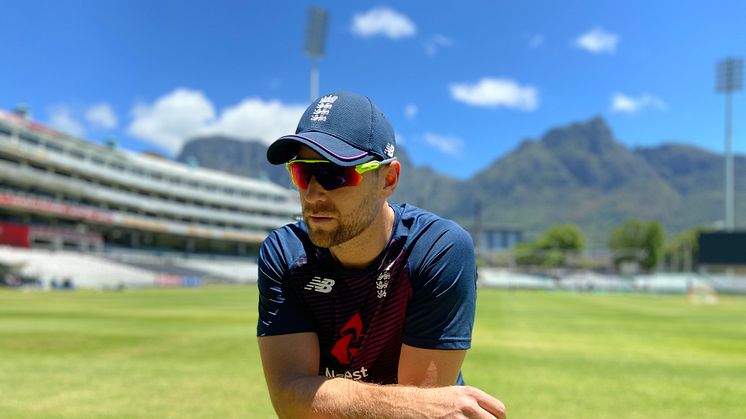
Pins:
x: 348, y: 201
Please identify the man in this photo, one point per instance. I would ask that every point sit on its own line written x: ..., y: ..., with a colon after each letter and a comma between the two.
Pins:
x: 365, y: 309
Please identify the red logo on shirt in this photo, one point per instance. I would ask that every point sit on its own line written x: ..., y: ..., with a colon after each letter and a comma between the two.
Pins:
x: 347, y: 346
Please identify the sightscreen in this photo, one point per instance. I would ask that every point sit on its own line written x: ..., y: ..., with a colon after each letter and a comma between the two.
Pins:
x: 722, y: 248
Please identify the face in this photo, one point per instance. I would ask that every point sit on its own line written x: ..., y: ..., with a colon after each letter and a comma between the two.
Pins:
x: 337, y: 216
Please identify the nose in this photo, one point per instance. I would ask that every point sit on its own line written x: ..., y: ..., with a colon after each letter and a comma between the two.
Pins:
x: 314, y: 192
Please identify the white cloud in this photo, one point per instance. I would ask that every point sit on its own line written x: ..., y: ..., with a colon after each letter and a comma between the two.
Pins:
x: 627, y: 104
x: 383, y: 21
x: 410, y: 111
x: 254, y: 118
x: 598, y: 41
x: 183, y: 114
x: 536, y: 41
x: 450, y: 145
x: 101, y: 115
x: 491, y: 92
x: 61, y: 118
x: 173, y: 118
x: 435, y: 43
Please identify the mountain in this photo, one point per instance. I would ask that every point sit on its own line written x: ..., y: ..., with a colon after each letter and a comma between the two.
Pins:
x: 424, y: 187
x: 574, y: 174
x: 239, y: 157
x: 577, y: 173
x: 697, y: 176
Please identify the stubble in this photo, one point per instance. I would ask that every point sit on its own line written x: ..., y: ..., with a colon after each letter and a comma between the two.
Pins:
x: 348, y: 226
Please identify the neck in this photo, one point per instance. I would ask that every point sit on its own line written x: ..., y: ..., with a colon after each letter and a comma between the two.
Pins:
x: 363, y: 249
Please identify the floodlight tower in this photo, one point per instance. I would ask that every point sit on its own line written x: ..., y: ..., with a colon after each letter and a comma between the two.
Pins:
x: 314, y: 47
x: 729, y: 75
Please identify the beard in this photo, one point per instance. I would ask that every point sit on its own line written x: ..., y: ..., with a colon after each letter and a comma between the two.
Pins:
x: 348, y: 226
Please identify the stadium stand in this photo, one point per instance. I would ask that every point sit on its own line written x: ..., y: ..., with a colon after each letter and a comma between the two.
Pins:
x: 89, y: 208
x: 82, y: 270
x: 655, y: 283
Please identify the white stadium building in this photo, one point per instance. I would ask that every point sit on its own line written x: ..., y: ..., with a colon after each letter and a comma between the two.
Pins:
x: 63, y: 198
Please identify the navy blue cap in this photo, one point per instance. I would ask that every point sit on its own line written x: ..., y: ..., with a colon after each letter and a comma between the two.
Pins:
x: 346, y: 128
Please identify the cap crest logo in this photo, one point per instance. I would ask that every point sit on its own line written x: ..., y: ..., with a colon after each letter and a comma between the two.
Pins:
x: 323, y: 107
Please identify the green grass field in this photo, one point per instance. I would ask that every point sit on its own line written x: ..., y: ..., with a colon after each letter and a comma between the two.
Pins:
x: 191, y: 353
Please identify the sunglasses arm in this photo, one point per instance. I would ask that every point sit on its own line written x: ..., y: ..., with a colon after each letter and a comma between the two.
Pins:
x: 372, y: 165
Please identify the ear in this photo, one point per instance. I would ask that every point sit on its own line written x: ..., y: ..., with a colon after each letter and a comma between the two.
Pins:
x: 391, y: 177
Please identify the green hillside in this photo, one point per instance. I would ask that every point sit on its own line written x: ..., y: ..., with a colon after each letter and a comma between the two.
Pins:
x: 577, y: 173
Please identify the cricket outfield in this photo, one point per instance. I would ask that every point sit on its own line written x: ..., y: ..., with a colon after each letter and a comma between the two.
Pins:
x: 191, y: 353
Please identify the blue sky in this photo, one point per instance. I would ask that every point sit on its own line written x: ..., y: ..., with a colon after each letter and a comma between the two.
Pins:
x: 462, y: 82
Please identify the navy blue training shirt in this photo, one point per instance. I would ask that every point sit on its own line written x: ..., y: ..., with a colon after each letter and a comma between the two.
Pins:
x: 420, y: 291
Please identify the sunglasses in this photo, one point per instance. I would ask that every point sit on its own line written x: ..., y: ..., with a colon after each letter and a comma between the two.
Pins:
x: 330, y: 176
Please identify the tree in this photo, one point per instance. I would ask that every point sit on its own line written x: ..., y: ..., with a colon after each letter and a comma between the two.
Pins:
x: 682, y: 251
x: 638, y: 241
x: 551, y: 248
x: 563, y: 237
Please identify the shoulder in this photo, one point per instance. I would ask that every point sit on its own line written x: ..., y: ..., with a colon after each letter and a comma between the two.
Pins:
x: 430, y: 237
x: 287, y: 234
x: 284, y: 245
x: 424, y: 228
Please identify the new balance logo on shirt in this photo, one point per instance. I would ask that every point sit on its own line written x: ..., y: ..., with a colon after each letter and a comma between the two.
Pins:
x: 318, y: 284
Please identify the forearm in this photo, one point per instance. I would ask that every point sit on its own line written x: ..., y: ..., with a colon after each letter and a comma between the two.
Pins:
x: 297, y: 392
x: 319, y: 397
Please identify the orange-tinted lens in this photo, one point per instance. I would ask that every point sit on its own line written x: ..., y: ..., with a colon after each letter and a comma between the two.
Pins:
x: 329, y: 176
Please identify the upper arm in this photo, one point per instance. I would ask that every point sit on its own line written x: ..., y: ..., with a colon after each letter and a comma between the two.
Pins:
x: 288, y: 346
x: 286, y: 358
x: 429, y: 367
x: 440, y: 315
x: 441, y: 312
x: 280, y: 310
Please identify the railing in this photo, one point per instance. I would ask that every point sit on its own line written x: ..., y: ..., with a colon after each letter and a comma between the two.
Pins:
x: 31, y: 176
x: 277, y: 198
x: 48, y: 206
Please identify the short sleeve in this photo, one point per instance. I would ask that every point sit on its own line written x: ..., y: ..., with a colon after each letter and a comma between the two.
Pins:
x: 280, y: 311
x: 444, y: 275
